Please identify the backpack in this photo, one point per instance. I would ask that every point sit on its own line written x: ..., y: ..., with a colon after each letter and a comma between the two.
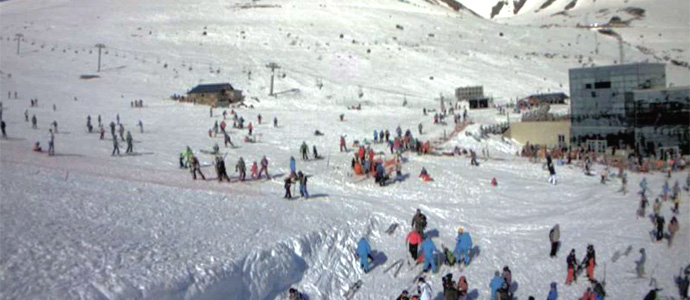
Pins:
x: 450, y: 258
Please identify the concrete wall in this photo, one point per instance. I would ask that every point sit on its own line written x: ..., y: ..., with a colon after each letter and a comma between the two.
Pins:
x: 540, y: 133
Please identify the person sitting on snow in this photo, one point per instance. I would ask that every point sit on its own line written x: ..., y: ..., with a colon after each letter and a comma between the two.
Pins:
x: 424, y: 175
x: 37, y: 147
x: 364, y: 253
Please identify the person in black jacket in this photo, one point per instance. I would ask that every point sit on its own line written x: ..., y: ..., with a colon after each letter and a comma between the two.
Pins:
x: 552, y: 170
x: 572, y: 268
x: 220, y: 169
x: 196, y: 167
x: 288, y: 184
x: 450, y: 291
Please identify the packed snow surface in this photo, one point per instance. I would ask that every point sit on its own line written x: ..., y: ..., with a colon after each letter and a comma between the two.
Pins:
x: 87, y: 225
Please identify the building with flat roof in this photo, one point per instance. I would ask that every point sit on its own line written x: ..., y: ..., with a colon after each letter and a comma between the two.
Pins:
x: 601, y: 114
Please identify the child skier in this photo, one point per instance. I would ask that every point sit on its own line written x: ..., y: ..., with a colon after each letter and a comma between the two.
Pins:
x: 572, y: 268
x: 364, y: 253
x: 255, y: 170
x: 463, y: 246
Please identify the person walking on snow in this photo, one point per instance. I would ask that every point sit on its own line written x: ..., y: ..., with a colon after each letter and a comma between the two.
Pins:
x: 463, y: 246
x: 554, y: 236
x: 660, y: 227
x: 657, y: 206
x: 304, y: 149
x: 220, y: 169
x: 275, y: 121
x: 572, y: 268
x: 116, y: 148
x: 590, y: 261
x: 51, y: 143
x: 293, y: 167
x: 419, y: 221
x: 639, y: 264
x: 420, y: 128
x: 227, y: 139
x: 112, y: 128
x: 196, y: 168
x: 2, y: 127
x: 121, y: 130
x: 250, y: 128
x: 428, y: 248
x: 641, y: 211
x: 604, y: 175
x: 26, y: 115
x: 102, y: 130
x: 130, y: 147
x: 343, y: 146
x: 288, y: 184
x: 643, y: 185
x: 553, y: 292
x: 495, y: 284
x: 241, y: 168
x: 316, y: 154
x: 254, y: 171
x: 264, y: 167
x: 33, y: 122
x: 413, y: 240
x: 672, y: 229
x: 364, y: 254
x: 303, y: 184
x: 141, y: 126
x: 552, y: 170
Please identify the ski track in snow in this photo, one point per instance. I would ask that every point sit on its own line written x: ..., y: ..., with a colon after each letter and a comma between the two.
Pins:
x: 85, y: 225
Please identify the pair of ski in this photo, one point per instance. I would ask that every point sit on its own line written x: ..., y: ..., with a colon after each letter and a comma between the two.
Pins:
x: 397, y: 265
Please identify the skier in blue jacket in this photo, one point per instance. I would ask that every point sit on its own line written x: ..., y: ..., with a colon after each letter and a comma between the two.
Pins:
x: 463, y: 245
x: 293, y: 166
x: 553, y: 293
x: 495, y: 284
x: 643, y: 185
x: 428, y: 248
x: 364, y: 253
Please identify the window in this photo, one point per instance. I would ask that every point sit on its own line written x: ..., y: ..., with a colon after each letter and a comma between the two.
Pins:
x: 594, y: 94
x: 588, y: 86
x: 561, y: 140
x: 602, y: 85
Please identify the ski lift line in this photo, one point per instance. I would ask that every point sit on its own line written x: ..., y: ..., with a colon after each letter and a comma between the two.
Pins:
x: 200, y: 63
x: 315, y: 76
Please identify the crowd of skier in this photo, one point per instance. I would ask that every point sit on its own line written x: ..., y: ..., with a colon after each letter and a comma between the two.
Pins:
x: 421, y: 247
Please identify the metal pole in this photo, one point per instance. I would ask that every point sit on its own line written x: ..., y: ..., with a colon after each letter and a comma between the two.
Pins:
x: 100, y: 47
x: 19, y: 40
x: 273, y: 67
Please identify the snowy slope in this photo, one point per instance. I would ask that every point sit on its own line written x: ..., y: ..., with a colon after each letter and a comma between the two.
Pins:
x: 661, y: 31
x: 86, y: 225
